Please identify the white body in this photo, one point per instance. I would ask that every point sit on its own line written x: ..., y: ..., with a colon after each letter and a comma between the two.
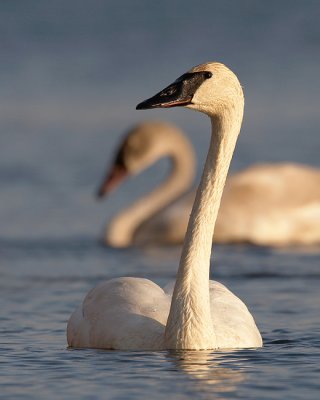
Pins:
x: 131, y: 313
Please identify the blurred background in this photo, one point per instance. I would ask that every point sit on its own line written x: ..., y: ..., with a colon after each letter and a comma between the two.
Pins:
x: 73, y: 71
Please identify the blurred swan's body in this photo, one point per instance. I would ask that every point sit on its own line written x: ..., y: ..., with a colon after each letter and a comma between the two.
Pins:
x: 271, y: 204
x: 133, y: 313
x: 265, y: 204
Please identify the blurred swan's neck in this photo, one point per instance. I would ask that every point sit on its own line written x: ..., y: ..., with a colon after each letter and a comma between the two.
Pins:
x: 123, y: 227
x: 189, y: 323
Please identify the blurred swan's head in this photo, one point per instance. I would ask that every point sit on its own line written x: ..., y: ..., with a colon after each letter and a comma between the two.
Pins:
x: 142, y: 146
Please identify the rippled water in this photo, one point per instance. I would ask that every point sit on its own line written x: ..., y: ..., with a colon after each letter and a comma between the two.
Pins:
x: 45, y: 280
x: 71, y: 74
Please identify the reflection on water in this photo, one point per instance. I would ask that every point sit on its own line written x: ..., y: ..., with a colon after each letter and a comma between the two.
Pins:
x: 205, y: 366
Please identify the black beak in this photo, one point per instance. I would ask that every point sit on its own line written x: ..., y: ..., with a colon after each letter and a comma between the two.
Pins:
x: 179, y: 93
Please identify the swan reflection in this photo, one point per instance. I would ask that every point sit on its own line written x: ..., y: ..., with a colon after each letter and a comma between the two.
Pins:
x: 206, y: 367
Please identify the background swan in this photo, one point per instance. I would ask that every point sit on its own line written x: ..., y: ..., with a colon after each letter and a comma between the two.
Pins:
x: 132, y: 313
x: 265, y: 204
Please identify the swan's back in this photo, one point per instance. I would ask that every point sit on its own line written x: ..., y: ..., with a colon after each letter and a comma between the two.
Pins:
x: 122, y: 313
x: 283, y: 185
x: 271, y: 204
x: 131, y: 313
x: 234, y: 326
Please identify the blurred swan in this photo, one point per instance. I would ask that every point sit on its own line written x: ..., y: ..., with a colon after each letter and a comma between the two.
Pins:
x: 265, y: 204
x: 133, y: 313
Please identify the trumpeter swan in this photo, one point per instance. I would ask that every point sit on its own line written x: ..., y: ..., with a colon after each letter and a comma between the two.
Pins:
x: 265, y: 204
x: 133, y: 313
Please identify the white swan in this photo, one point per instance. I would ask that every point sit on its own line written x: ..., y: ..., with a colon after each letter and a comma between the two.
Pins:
x: 265, y: 204
x: 132, y: 313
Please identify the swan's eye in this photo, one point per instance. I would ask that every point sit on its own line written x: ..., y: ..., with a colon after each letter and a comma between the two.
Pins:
x: 208, y: 74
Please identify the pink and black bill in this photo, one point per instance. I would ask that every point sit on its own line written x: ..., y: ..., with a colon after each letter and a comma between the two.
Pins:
x: 179, y: 93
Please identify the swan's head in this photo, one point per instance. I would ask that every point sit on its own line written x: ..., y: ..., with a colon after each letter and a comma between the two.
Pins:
x: 208, y: 88
x: 143, y: 145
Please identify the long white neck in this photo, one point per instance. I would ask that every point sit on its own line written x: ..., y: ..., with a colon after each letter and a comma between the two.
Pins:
x: 122, y: 229
x: 189, y: 324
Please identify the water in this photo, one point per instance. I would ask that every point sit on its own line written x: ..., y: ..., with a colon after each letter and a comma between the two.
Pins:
x: 48, y: 279
x: 71, y: 74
